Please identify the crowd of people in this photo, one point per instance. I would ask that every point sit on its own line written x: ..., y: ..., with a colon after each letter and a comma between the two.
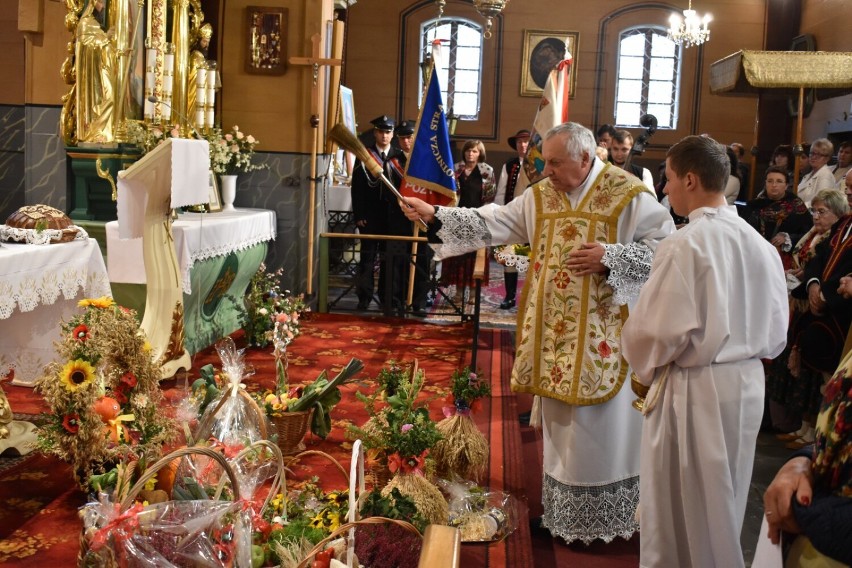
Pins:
x: 739, y: 309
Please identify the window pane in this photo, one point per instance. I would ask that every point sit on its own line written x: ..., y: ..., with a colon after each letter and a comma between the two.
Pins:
x: 659, y: 92
x: 467, y: 81
x: 627, y: 114
x: 630, y: 67
x: 633, y: 45
x: 468, y: 36
x: 662, y: 69
x: 629, y: 91
x: 663, y: 114
x: 465, y: 104
x: 661, y: 46
x: 443, y: 78
x: 468, y: 57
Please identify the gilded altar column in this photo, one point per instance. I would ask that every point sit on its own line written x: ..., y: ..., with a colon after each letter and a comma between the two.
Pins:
x: 180, y: 41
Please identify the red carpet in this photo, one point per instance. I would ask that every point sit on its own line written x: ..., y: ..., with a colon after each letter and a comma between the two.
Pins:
x: 39, y: 526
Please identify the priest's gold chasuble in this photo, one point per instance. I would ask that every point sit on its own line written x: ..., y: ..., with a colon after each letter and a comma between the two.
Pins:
x: 569, y: 329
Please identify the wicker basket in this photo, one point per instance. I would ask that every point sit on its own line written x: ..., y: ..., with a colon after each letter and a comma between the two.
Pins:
x: 291, y: 428
x: 124, y: 505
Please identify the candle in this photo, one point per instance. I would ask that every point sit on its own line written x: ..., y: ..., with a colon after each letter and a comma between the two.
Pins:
x: 200, y: 77
x: 211, y: 78
x: 209, y: 117
x: 199, y: 118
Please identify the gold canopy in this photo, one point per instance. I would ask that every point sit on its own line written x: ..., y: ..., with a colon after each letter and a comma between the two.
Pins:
x: 749, y: 72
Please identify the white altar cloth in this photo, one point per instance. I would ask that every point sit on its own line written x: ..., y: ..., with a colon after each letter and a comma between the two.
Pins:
x: 40, y: 286
x: 197, y: 236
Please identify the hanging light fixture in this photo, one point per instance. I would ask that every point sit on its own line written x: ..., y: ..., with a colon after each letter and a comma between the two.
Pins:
x: 489, y: 9
x: 690, y: 30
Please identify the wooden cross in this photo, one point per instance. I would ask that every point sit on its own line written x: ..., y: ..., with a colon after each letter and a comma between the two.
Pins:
x: 316, y: 61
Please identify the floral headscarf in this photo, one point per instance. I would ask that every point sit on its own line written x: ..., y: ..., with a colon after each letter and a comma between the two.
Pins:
x: 832, y: 462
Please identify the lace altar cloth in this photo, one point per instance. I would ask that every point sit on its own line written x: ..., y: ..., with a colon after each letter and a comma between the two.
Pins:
x: 197, y: 236
x: 39, y: 287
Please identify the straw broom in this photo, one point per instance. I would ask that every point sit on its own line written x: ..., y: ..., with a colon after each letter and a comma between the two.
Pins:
x: 463, y: 450
x: 348, y: 141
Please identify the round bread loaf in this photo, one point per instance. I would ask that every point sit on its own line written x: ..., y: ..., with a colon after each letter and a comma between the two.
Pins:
x: 39, y: 217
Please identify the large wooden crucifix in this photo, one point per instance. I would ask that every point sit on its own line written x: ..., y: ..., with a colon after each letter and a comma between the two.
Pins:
x: 316, y: 62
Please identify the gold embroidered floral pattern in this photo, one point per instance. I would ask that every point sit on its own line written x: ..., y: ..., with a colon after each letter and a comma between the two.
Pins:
x: 574, y: 354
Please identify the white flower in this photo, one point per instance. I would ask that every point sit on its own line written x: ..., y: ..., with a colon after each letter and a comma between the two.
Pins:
x: 263, y: 311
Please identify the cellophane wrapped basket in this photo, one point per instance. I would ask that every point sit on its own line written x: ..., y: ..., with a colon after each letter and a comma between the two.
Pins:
x: 212, y: 530
x: 233, y: 417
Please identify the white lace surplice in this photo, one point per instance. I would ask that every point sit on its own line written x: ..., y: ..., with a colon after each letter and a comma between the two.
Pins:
x: 591, y: 453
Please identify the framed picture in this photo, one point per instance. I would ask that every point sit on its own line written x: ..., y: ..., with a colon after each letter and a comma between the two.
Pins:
x: 215, y: 200
x: 347, y: 117
x: 266, y: 37
x: 542, y: 50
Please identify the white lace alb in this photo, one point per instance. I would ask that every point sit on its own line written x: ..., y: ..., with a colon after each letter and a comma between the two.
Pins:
x: 462, y: 230
x: 590, y: 512
x: 629, y: 266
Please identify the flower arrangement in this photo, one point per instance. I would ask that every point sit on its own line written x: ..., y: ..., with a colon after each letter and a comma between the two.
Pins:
x: 305, y: 515
x: 270, y: 313
x: 463, y: 450
x: 231, y: 152
x: 103, y: 393
x: 401, y: 435
x: 147, y: 136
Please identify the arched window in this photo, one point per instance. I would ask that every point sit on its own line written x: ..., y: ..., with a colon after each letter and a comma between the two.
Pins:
x: 648, y: 77
x: 460, y: 71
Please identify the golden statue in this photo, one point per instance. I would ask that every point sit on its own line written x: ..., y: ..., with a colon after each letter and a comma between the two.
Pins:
x: 197, y: 59
x: 96, y: 74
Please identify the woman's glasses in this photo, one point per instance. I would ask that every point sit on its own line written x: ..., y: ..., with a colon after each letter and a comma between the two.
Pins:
x: 817, y: 212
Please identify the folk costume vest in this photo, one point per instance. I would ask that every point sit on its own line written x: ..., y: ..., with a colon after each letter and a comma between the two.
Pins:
x: 569, y: 330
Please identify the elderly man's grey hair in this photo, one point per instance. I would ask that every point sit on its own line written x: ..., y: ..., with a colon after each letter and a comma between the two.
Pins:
x: 579, y: 140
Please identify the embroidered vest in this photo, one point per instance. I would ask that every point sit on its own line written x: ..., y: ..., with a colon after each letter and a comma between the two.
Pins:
x: 569, y: 331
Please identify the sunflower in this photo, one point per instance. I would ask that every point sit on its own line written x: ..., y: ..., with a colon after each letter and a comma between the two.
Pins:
x: 77, y: 373
x: 102, y: 302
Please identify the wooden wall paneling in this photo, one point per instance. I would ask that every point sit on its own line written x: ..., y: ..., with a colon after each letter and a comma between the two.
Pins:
x: 12, y: 60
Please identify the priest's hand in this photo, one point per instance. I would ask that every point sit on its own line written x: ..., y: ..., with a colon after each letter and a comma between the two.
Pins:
x: 415, y: 209
x: 586, y: 259
x: 793, y: 479
x: 845, y: 288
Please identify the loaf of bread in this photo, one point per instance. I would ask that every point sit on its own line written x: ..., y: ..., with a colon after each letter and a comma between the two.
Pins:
x: 39, y: 218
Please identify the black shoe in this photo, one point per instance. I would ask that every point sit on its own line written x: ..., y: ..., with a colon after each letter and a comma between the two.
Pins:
x: 507, y: 304
x: 363, y: 304
x: 536, y: 528
x: 417, y: 311
x: 524, y: 418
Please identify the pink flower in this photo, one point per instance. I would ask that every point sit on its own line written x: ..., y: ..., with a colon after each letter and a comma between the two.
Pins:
x: 250, y: 139
x: 229, y: 137
x: 282, y: 318
x: 240, y: 135
x: 406, y: 427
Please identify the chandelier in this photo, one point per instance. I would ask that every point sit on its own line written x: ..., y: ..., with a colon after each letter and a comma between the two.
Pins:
x: 691, y: 29
x: 489, y: 9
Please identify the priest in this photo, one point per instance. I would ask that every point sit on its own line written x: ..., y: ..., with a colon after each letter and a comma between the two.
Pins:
x: 714, y: 305
x: 593, y: 230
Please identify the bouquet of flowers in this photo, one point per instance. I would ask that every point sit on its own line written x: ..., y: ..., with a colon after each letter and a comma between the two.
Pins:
x: 147, y: 136
x: 270, y: 313
x: 401, y: 435
x: 463, y: 451
x: 103, y: 393
x: 231, y: 152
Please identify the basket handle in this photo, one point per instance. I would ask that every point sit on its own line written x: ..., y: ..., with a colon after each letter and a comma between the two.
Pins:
x: 306, y: 453
x: 227, y: 393
x: 279, y: 480
x: 179, y: 453
x: 351, y: 526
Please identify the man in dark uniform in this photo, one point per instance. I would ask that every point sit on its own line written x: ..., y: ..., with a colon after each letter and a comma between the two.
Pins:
x: 506, y: 191
x: 371, y: 201
x: 405, y: 138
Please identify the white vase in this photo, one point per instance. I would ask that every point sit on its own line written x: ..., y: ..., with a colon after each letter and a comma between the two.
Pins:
x: 229, y: 192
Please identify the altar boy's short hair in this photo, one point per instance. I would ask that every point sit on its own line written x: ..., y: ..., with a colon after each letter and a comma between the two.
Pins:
x: 704, y: 157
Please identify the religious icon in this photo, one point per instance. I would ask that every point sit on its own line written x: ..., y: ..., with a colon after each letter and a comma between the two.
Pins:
x: 542, y: 51
x: 266, y: 52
